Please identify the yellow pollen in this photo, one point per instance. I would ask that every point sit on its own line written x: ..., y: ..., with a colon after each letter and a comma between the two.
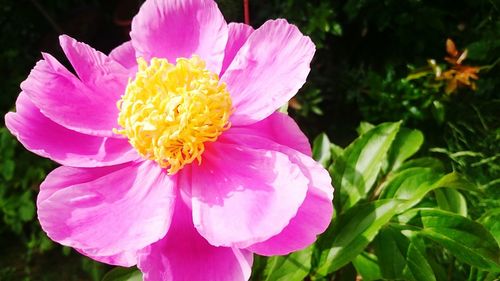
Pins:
x: 169, y: 111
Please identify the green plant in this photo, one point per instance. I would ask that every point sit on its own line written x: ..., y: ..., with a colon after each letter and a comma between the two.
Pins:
x: 395, y: 218
x: 28, y: 254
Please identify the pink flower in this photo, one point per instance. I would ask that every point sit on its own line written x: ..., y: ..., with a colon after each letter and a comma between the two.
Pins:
x: 166, y: 165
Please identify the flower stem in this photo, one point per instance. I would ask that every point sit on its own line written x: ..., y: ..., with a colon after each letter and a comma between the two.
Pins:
x: 246, y: 11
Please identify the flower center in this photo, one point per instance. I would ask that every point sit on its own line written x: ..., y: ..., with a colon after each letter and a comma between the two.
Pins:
x: 169, y: 111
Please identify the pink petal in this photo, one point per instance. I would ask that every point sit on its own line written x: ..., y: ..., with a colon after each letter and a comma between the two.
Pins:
x: 184, y: 255
x: 180, y: 28
x: 313, y: 216
x: 238, y: 35
x: 279, y: 128
x: 67, y: 101
x: 48, y: 139
x: 241, y: 196
x: 63, y: 177
x: 268, y: 70
x: 125, y: 55
x: 97, y: 71
x: 127, y: 259
x: 112, y: 212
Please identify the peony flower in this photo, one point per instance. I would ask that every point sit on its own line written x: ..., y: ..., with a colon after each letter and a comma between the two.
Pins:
x: 173, y: 156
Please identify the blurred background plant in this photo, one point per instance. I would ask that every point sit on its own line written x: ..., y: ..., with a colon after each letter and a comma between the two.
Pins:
x: 376, y: 61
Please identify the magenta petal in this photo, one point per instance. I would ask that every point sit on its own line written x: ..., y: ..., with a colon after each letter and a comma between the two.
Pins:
x: 125, y: 55
x: 127, y: 258
x: 279, y: 128
x: 44, y: 137
x: 180, y: 28
x: 241, y: 196
x: 67, y: 101
x: 313, y: 216
x: 63, y: 177
x: 315, y: 213
x: 238, y: 35
x: 97, y: 71
x: 268, y: 70
x: 107, y: 211
x: 184, y: 255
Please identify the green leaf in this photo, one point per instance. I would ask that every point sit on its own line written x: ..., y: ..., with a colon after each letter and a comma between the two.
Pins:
x: 438, y: 268
x: 438, y: 111
x: 321, y: 151
x: 491, y: 220
x: 451, y: 200
x: 479, y: 50
x: 8, y: 166
x: 352, y: 231
x: 295, y: 266
x: 26, y: 206
x: 466, y: 239
x: 123, y: 274
x: 481, y: 275
x: 336, y: 151
x: 366, y: 265
x: 355, y: 172
x: 414, y: 183
x: 424, y: 162
x: 406, y: 183
x: 400, y: 258
x: 456, y: 181
x: 406, y: 143
x: 364, y: 127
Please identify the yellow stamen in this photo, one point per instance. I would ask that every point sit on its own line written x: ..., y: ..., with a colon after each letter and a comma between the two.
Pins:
x: 169, y: 111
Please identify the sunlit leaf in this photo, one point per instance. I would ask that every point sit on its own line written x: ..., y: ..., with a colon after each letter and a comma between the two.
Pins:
x: 406, y: 143
x: 456, y: 181
x: 351, y: 233
x: 355, y: 172
x: 412, y: 184
x: 364, y: 127
x: 367, y: 266
x: 466, y: 239
x: 451, y: 200
x: 336, y: 152
x: 321, y: 150
x: 292, y: 267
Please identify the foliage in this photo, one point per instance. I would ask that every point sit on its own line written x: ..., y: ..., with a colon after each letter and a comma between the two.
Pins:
x: 397, y: 217
x: 27, y: 253
x: 372, y: 71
